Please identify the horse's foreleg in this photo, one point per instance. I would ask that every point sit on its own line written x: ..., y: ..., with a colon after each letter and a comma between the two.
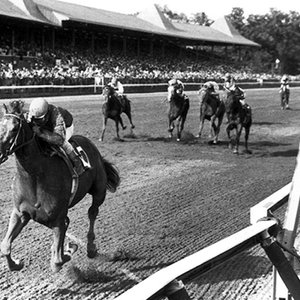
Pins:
x: 128, y: 114
x: 214, y: 132
x: 93, y: 213
x: 58, y: 257
x: 121, y: 122
x: 239, y: 129
x: 117, y: 120
x: 16, y: 224
x: 171, y: 127
x: 247, y: 131
x: 103, y: 129
x: 201, y: 124
x: 180, y: 126
x: 228, y: 129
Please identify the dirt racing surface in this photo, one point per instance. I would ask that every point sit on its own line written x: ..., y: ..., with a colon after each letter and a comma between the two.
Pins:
x: 175, y: 198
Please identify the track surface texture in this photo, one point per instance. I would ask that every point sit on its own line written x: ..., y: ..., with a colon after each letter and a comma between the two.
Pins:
x: 175, y: 198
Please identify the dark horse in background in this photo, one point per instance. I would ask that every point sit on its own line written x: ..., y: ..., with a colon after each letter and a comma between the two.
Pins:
x: 239, y: 117
x: 178, y: 109
x: 46, y: 179
x: 113, y: 107
x: 211, y: 109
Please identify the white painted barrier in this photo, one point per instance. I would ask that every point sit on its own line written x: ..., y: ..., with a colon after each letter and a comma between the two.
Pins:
x: 211, y: 256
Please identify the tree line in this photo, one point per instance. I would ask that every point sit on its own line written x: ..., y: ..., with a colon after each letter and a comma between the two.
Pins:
x: 277, y: 32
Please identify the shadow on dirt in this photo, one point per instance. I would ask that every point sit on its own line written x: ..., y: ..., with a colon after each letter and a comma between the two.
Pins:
x: 236, y: 269
x: 266, y: 123
x: 287, y: 153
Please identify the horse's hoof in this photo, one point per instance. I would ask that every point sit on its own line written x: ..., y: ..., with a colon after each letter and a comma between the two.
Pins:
x: 100, y: 140
x: 124, y: 127
x: 71, y: 249
x: 132, y: 127
x: 236, y: 151
x: 16, y: 265
x: 198, y: 136
x: 55, y: 268
x: 91, y: 253
x: 178, y: 140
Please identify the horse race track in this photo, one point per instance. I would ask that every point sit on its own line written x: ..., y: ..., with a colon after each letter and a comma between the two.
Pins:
x: 175, y: 198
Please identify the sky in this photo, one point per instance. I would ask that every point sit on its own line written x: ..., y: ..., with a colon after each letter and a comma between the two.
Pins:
x: 213, y: 8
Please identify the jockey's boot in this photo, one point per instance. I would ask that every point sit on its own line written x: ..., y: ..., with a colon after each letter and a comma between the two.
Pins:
x: 77, y: 163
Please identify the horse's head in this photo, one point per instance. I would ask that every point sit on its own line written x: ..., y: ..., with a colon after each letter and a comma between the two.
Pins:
x: 204, y: 93
x: 10, y: 128
x: 176, y: 92
x: 108, y: 90
x: 238, y: 93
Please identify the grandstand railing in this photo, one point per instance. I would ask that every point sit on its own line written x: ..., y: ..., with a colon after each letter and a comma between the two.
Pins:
x: 168, y: 281
x: 65, y: 90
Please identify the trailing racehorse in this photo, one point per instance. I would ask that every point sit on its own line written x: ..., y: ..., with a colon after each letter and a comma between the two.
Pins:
x: 179, y: 107
x: 284, y: 93
x: 113, y: 107
x: 212, y: 109
x: 239, y: 117
x: 47, y: 180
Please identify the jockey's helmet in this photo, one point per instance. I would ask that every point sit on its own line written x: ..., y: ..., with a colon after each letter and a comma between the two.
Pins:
x: 173, y: 81
x: 114, y: 80
x: 284, y: 77
x: 208, y: 85
x: 38, y: 108
x: 227, y: 76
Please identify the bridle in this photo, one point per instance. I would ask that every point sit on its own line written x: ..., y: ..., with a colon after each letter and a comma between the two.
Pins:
x: 14, y: 146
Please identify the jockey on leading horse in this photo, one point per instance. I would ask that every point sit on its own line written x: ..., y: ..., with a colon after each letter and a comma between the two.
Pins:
x: 119, y: 90
x: 231, y: 87
x: 175, y: 85
x: 54, y: 125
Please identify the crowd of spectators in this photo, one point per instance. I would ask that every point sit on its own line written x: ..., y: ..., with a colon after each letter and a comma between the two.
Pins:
x: 64, y: 67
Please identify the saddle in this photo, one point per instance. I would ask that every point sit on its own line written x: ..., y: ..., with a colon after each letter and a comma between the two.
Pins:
x: 51, y: 150
x: 55, y: 150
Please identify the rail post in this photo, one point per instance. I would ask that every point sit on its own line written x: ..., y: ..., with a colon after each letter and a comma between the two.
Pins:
x: 282, y: 265
x: 288, y: 234
x: 175, y: 290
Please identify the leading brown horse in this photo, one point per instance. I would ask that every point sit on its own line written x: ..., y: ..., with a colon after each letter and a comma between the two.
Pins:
x: 178, y: 109
x: 239, y: 117
x: 211, y: 109
x: 113, y: 107
x: 47, y: 180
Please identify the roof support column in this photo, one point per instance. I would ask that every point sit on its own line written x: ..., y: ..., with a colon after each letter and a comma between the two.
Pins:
x: 93, y: 42
x: 73, y: 41
x: 109, y: 44
x: 138, y: 47
x: 151, y: 47
x: 124, y: 46
x: 163, y: 49
x: 43, y: 41
x: 53, y: 38
x: 12, y: 41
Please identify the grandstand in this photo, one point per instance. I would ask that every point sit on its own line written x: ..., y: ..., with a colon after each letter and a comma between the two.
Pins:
x: 49, y: 42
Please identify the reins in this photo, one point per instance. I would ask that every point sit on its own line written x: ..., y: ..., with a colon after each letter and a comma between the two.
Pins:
x: 14, y: 147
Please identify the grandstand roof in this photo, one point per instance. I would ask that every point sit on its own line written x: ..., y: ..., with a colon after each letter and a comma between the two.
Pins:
x: 9, y: 9
x: 151, y: 20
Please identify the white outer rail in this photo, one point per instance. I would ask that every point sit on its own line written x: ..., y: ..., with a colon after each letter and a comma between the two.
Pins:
x: 214, y: 254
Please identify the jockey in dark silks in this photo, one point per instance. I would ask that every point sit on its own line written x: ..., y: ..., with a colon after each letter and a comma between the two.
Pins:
x: 231, y: 87
x: 119, y: 90
x: 175, y: 85
x: 54, y: 125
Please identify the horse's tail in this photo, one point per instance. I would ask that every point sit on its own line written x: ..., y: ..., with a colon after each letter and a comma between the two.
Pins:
x: 113, y: 177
